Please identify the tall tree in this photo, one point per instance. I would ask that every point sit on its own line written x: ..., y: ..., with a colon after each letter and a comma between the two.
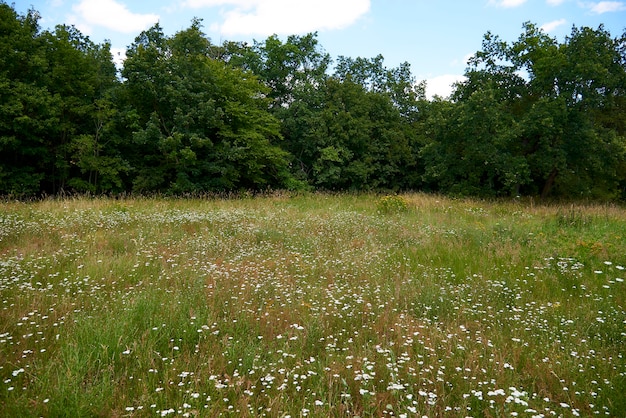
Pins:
x: 27, y: 109
x: 558, y: 107
x: 83, y: 75
x: 354, y: 140
x: 397, y: 83
x: 291, y: 69
x: 202, y: 124
x: 49, y: 83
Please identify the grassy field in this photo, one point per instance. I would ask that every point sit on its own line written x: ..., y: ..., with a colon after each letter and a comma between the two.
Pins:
x: 314, y: 305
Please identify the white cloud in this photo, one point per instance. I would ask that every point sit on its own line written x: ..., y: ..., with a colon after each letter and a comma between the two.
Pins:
x: 119, y: 56
x: 507, y: 3
x: 111, y: 15
x: 550, y: 26
x: 441, y: 85
x: 196, y: 4
x: 555, y: 2
x: 606, y: 7
x: 266, y: 17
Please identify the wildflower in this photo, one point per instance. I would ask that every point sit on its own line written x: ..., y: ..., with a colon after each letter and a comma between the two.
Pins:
x: 496, y: 392
x: 395, y: 386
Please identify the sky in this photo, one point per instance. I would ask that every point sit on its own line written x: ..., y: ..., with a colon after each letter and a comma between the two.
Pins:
x: 436, y: 37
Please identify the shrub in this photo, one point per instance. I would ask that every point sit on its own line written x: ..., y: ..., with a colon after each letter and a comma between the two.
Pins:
x: 392, y: 204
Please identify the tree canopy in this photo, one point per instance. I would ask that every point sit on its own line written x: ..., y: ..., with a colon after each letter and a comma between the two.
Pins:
x: 535, y: 116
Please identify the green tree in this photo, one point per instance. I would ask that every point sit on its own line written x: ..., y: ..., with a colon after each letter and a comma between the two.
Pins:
x: 397, y: 83
x: 97, y: 153
x: 27, y: 109
x: 291, y: 69
x: 359, y: 141
x: 474, y: 152
x: 84, y: 76
x: 295, y: 72
x: 398, y: 131
x: 554, y: 113
x: 50, y: 83
x: 202, y: 124
x: 339, y: 132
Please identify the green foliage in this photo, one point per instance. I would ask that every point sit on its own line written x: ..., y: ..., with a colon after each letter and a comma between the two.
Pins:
x: 547, y: 130
x: 474, y: 153
x: 53, y: 87
x: 203, y: 125
x: 534, y: 117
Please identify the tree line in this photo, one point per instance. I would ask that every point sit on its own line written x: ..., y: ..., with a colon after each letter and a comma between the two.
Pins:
x: 534, y: 117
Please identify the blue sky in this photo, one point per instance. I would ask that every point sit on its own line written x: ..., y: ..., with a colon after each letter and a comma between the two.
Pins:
x: 435, y: 36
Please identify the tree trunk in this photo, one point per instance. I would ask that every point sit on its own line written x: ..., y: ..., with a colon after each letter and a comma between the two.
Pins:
x: 547, y: 187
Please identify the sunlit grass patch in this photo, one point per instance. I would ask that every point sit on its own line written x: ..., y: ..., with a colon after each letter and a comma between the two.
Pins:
x: 311, y: 305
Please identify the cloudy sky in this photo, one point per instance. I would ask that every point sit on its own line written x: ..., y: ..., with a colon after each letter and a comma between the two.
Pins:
x: 435, y: 36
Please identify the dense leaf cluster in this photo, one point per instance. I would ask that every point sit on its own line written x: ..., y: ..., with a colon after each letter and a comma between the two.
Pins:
x: 183, y: 115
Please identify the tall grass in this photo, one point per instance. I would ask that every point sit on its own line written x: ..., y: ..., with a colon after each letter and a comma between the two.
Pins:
x: 311, y: 305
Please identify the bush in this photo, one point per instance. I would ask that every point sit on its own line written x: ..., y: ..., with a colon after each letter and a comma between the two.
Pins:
x: 392, y: 204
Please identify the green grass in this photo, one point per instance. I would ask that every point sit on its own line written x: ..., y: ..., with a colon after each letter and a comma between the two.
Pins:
x: 311, y: 305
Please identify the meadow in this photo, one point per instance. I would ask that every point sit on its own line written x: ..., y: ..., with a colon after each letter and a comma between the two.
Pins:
x: 312, y: 305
